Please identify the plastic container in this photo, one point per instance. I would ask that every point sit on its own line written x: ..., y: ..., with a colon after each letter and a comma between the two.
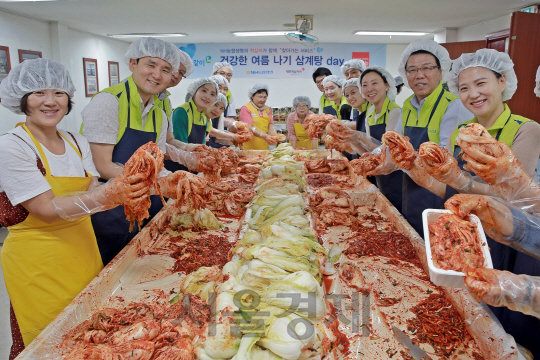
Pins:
x: 451, y: 278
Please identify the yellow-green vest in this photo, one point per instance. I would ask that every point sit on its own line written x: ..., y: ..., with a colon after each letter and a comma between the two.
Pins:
x: 228, y: 96
x: 410, y: 117
x: 134, y: 109
x: 506, y: 126
x: 165, y: 105
x: 386, y: 108
x: 324, y: 102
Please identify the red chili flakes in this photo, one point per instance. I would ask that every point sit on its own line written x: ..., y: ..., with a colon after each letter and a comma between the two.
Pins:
x: 208, y: 250
x: 321, y: 180
x: 377, y: 243
x: 438, y: 323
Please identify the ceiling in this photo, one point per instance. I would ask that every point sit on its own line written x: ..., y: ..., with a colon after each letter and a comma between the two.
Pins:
x: 211, y: 21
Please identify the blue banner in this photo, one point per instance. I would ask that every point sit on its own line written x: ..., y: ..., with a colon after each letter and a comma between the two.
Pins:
x: 280, y: 60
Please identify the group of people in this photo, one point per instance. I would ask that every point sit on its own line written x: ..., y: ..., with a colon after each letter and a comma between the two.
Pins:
x: 54, y: 248
x: 479, y: 84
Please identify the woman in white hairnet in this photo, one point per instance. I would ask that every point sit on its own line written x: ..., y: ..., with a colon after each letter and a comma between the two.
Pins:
x: 226, y: 70
x: 399, y: 84
x: 48, y: 189
x: 215, y: 113
x: 258, y: 116
x: 332, y: 88
x: 298, y: 135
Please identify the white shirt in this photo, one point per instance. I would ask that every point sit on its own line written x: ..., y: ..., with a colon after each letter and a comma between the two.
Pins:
x: 100, y: 120
x: 231, y: 110
x: 20, y: 177
x: 455, y: 113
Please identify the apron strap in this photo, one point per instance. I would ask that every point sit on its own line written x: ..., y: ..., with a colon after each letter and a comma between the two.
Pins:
x: 129, y: 104
x: 434, y: 108
x: 40, y: 150
x: 501, y: 129
x: 39, y: 163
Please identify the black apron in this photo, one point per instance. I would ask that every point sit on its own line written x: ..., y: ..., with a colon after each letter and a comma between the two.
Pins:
x: 345, y: 113
x: 524, y: 328
x: 415, y: 198
x: 360, y: 119
x: 111, y: 227
x: 390, y: 185
x: 212, y: 142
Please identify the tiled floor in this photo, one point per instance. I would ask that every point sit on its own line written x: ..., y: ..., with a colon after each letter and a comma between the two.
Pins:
x: 5, y: 331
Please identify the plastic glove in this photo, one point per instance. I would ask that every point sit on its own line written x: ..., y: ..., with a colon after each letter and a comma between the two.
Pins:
x: 73, y: 206
x: 504, y: 172
x: 224, y: 137
x: 502, y: 288
x: 259, y: 133
x: 191, y: 160
x: 183, y: 146
x: 235, y: 126
x: 502, y: 221
x: 386, y: 163
x: 360, y: 140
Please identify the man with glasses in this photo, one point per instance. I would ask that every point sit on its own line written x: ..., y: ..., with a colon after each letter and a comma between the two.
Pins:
x: 431, y: 114
x: 318, y: 76
x: 226, y: 70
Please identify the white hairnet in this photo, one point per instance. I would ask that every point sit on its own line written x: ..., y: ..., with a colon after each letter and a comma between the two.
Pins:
x: 219, y: 65
x: 256, y: 88
x: 221, y: 98
x: 487, y: 58
x: 426, y: 45
x: 301, y: 99
x: 399, y: 80
x: 353, y: 64
x: 33, y: 75
x: 152, y: 47
x: 392, y: 90
x: 537, y: 88
x: 350, y: 82
x: 185, y: 60
x: 333, y: 78
x: 220, y: 80
x: 194, y: 86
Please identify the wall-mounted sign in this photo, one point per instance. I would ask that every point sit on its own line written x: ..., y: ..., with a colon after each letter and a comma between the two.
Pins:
x: 280, y: 60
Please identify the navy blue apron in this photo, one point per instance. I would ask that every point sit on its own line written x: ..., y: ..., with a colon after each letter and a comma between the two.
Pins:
x: 360, y: 119
x: 390, y: 185
x: 524, y: 328
x: 503, y: 256
x: 415, y: 198
x: 111, y: 227
x: 212, y: 142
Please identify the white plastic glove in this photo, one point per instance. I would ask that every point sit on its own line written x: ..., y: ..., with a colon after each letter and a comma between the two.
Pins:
x: 224, y: 137
x: 235, y: 126
x: 259, y: 133
x: 183, y: 146
x: 114, y: 192
x: 386, y: 167
x: 189, y: 159
x: 502, y: 288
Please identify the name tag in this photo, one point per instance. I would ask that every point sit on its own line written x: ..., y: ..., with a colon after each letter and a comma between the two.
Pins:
x: 253, y: 115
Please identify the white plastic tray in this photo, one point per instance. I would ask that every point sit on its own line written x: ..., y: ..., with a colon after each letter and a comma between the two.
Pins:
x: 451, y: 278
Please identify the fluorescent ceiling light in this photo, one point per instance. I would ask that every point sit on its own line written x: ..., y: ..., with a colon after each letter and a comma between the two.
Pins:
x: 262, y: 33
x: 146, y: 35
x: 404, y: 33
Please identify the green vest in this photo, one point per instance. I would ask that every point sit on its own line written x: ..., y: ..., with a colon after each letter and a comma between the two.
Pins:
x: 165, y: 105
x: 324, y: 102
x: 431, y: 112
x: 228, y: 96
x: 194, y: 117
x: 385, y: 111
x: 504, y: 130
x: 133, y: 108
x: 338, y: 108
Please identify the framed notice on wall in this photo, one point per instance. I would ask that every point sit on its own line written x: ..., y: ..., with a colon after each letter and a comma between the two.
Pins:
x: 114, y: 73
x: 5, y: 63
x: 90, y: 77
x: 28, y: 54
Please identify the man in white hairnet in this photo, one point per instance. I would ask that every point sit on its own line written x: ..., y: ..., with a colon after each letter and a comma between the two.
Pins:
x: 226, y: 70
x: 430, y: 114
x: 120, y: 119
